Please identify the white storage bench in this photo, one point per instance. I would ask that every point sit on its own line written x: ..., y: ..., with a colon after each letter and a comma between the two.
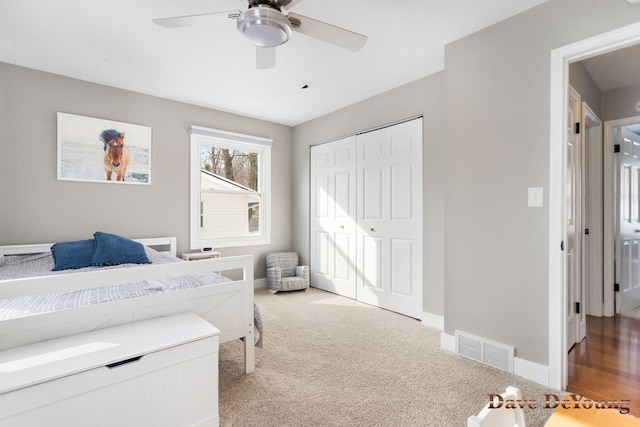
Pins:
x: 158, y: 372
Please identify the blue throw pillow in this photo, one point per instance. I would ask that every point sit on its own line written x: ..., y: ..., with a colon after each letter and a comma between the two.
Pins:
x: 72, y: 255
x: 114, y: 250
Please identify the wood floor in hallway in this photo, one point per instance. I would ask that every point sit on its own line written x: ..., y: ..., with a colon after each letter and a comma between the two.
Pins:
x: 606, y: 364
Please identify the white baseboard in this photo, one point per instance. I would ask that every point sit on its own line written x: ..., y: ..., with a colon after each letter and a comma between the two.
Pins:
x: 448, y: 342
x: 260, y: 283
x: 532, y: 371
x: 521, y: 367
x: 433, y: 321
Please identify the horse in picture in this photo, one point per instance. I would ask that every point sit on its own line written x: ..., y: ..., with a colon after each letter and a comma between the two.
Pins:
x: 116, y: 154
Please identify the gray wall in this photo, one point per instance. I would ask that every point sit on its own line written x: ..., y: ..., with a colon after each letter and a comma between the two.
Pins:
x: 422, y: 97
x: 497, y: 145
x: 620, y: 103
x: 35, y: 207
x: 582, y: 82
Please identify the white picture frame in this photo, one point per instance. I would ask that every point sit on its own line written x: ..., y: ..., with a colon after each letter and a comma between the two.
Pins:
x: 103, y: 151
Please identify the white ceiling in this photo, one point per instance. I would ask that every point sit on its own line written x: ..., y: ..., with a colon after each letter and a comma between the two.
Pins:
x: 115, y: 43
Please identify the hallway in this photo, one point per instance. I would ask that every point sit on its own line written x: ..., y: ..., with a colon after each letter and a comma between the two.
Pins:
x: 605, y: 364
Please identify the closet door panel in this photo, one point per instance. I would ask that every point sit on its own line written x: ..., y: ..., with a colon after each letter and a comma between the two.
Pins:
x: 342, y: 195
x: 320, y: 257
x: 389, y: 195
x: 366, y: 217
x: 322, y: 196
x: 401, y: 192
x: 332, y: 219
x: 372, y: 193
x: 342, y: 263
x: 372, y: 262
x: 402, y: 255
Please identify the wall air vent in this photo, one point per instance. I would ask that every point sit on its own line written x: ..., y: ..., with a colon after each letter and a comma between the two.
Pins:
x: 488, y: 352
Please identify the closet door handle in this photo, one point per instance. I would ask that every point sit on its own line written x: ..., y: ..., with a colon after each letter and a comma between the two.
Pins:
x: 373, y: 229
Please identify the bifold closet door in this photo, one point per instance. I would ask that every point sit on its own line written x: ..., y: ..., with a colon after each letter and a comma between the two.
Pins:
x: 333, y: 206
x: 389, y: 217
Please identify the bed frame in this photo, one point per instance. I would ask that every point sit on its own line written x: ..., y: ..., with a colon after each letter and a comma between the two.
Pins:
x: 228, y: 306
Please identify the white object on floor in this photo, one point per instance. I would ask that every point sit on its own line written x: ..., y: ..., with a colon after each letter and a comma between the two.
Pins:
x: 500, y: 415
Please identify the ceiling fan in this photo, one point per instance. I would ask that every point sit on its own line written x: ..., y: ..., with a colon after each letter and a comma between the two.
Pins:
x: 265, y: 25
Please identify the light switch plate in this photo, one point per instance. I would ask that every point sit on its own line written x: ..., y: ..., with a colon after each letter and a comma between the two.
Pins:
x: 535, y: 197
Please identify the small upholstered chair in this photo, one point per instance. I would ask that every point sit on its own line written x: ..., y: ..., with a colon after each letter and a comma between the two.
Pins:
x: 284, y: 273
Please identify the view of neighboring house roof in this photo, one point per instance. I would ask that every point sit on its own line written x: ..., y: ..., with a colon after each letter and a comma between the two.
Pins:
x: 219, y: 182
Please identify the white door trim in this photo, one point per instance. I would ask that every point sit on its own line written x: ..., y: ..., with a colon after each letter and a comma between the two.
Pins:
x: 560, y: 60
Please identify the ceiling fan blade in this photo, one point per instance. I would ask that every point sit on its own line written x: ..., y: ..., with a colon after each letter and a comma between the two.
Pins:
x: 327, y: 32
x: 265, y: 57
x: 200, y: 19
x: 288, y: 4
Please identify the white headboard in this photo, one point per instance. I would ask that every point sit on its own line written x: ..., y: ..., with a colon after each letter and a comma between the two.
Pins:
x: 161, y: 244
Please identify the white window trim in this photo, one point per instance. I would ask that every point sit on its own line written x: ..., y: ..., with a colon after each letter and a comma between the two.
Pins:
x: 200, y: 135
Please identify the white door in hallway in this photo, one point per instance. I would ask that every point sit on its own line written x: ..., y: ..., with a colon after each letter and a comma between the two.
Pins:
x: 389, y: 210
x: 593, y: 220
x: 628, y: 220
x: 573, y: 192
x: 591, y: 216
x: 333, y: 227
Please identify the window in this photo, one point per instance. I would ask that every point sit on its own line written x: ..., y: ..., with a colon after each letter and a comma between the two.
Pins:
x: 230, y: 189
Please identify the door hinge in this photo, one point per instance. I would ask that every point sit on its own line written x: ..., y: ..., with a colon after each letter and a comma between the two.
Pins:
x: 616, y: 148
x: 577, y: 128
x: 616, y: 287
x: 577, y: 308
x: 586, y: 231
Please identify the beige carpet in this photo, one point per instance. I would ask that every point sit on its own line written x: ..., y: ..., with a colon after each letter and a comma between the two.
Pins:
x: 331, y: 361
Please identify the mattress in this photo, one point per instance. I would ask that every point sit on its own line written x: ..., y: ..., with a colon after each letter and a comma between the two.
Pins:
x: 22, y: 266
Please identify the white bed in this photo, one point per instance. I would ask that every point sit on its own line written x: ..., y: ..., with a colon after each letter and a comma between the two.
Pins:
x: 228, y: 306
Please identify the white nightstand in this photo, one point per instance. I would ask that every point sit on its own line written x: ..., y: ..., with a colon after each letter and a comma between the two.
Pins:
x: 193, y: 256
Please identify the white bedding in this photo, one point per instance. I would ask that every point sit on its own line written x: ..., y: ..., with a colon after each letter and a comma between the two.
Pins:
x: 23, y: 266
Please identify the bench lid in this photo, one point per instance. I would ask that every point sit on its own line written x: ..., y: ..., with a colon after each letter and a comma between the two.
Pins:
x: 44, y: 361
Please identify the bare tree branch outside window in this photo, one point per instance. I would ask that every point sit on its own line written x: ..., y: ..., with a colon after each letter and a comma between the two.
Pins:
x: 238, y: 166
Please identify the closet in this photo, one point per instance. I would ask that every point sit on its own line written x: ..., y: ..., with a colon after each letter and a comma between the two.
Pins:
x: 366, y: 217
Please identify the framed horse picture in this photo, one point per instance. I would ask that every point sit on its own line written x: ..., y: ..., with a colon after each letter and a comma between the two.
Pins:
x: 99, y: 150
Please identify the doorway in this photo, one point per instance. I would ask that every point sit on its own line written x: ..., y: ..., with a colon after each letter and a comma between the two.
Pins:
x: 622, y: 186
x: 558, y: 287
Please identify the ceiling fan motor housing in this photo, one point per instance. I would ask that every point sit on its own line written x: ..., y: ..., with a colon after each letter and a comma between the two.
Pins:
x: 264, y: 25
x: 274, y: 4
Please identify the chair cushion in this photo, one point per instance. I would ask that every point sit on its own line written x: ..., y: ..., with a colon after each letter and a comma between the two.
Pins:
x: 293, y: 284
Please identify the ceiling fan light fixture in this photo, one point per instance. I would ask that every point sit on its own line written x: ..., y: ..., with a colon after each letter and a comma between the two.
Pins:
x: 264, y: 26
